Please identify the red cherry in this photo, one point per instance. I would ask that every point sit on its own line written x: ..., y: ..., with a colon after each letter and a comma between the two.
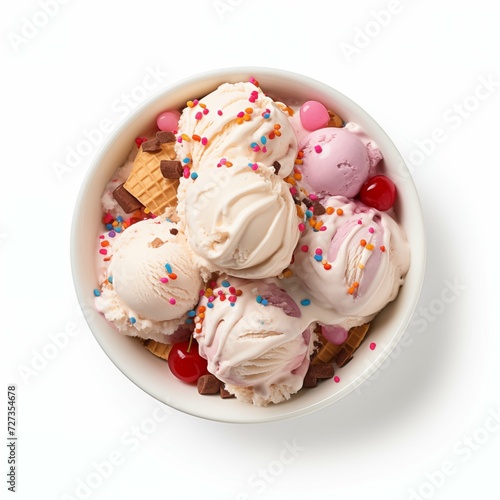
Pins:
x: 186, y: 363
x: 378, y: 192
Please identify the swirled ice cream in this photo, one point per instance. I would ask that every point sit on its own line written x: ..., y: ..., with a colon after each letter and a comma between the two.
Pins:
x: 255, y: 340
x: 237, y: 120
x: 355, y: 262
x: 241, y: 221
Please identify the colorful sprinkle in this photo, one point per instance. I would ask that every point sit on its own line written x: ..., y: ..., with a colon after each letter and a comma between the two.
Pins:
x: 97, y: 292
x: 371, y: 230
x: 132, y: 320
x: 259, y: 299
x: 318, y: 148
x: 304, y: 248
x: 194, y: 175
x: 168, y: 267
x: 164, y: 280
x: 172, y: 301
x: 336, y: 379
x: 305, y: 302
x: 373, y: 345
x: 225, y: 283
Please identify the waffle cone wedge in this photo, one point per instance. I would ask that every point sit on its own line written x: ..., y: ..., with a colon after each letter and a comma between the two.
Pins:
x: 158, y: 349
x: 342, y: 353
x: 335, y: 120
x: 146, y: 182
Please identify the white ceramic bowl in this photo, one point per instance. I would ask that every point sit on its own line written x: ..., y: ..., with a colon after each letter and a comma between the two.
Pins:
x: 152, y: 374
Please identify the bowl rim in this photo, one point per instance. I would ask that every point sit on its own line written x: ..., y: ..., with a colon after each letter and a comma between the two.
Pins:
x: 418, y: 262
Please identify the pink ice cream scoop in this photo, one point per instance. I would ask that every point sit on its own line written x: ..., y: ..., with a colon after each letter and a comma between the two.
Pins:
x: 336, y: 162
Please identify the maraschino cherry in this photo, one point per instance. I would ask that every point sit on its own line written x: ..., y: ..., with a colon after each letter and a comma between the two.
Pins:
x: 378, y: 192
x: 186, y: 363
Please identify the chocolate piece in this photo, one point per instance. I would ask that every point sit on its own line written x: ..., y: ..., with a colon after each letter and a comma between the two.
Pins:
x: 277, y: 166
x: 323, y: 371
x: 128, y: 202
x: 318, y: 209
x: 208, y: 384
x: 315, y: 373
x: 165, y: 136
x: 343, y: 357
x: 174, y: 231
x: 152, y: 146
x: 171, y: 169
x: 310, y: 380
x: 225, y: 394
x: 157, y: 242
x: 307, y: 202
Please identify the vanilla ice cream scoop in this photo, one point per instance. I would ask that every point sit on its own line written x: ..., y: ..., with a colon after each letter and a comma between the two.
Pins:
x: 152, y: 270
x: 255, y: 340
x: 236, y: 120
x: 239, y: 220
x: 151, y: 281
x: 356, y: 262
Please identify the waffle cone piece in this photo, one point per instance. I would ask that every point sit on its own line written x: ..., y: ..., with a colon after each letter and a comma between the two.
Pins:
x: 146, y: 182
x: 158, y: 349
x: 342, y: 353
x: 335, y: 120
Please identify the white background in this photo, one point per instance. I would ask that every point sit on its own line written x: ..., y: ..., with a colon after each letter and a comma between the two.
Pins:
x: 432, y: 406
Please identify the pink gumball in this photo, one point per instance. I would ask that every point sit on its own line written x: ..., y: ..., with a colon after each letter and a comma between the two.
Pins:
x: 313, y: 115
x: 168, y: 120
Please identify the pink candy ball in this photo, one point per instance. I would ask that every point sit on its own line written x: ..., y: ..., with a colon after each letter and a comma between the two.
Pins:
x: 168, y: 120
x: 313, y: 115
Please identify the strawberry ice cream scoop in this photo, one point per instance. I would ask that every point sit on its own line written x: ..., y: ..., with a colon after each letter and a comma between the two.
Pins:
x: 336, y: 161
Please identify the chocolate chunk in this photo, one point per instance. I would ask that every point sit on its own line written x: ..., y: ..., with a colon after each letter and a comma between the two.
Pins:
x: 157, y: 242
x: 318, y: 209
x: 164, y: 137
x: 343, y: 357
x: 208, y: 384
x: 152, y: 146
x: 310, y: 380
x: 277, y: 166
x: 171, y: 169
x: 323, y: 371
x: 307, y: 202
x: 174, y: 231
x: 225, y: 394
x: 128, y: 202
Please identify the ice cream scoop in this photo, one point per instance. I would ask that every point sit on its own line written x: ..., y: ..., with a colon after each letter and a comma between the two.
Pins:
x: 336, y: 161
x: 355, y: 262
x: 152, y: 282
x: 236, y: 120
x: 241, y: 220
x: 259, y: 348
